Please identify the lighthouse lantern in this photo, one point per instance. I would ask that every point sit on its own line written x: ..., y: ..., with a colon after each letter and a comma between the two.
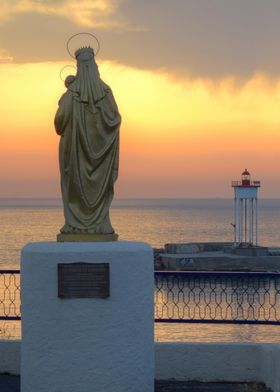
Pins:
x: 246, y: 178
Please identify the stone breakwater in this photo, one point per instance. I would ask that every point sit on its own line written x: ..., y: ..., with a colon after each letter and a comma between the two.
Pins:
x: 216, y: 256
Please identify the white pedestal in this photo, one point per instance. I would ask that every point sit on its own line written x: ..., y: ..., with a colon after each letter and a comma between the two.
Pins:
x: 92, y: 344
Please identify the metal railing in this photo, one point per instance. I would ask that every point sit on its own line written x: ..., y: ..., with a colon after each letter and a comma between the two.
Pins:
x: 217, y: 297
x: 250, y: 183
x: 10, y: 295
x: 189, y: 297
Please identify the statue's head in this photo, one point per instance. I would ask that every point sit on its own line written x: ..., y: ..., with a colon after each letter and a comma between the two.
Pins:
x: 69, y: 79
x: 84, y: 54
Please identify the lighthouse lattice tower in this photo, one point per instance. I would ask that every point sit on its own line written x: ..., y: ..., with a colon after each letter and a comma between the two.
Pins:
x: 246, y: 210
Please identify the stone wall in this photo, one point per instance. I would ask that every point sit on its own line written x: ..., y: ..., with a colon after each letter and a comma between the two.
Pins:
x: 208, y: 362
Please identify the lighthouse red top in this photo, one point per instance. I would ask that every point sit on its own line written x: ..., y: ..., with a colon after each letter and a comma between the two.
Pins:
x: 246, y: 181
x: 246, y: 178
x: 245, y: 173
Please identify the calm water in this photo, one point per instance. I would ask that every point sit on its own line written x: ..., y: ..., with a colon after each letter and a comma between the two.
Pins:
x: 156, y: 221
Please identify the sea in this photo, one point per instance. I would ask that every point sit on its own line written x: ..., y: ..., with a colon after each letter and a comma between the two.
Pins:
x: 157, y: 222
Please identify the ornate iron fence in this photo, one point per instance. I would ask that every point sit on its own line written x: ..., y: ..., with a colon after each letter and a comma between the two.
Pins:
x: 217, y: 297
x: 189, y: 297
x: 10, y: 295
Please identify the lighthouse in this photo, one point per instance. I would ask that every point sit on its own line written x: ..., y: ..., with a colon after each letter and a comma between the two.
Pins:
x: 246, y: 210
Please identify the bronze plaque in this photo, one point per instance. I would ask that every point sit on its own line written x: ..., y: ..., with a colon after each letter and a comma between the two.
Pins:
x: 83, y: 280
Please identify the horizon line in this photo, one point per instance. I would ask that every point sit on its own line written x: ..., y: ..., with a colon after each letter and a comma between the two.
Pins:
x: 138, y: 198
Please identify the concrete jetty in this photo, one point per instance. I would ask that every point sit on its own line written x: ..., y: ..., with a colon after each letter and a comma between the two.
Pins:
x: 216, y: 256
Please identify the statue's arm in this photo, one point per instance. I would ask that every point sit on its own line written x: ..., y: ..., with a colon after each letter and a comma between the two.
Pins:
x: 110, y: 109
x: 64, y: 113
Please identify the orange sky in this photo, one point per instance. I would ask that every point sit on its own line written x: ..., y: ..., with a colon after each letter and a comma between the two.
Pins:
x: 182, y: 135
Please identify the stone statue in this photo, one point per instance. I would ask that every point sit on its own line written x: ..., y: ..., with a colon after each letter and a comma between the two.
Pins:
x: 88, y: 122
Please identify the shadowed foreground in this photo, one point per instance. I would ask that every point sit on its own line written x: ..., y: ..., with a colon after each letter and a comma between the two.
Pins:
x: 192, y: 386
x: 9, y: 383
x: 12, y: 384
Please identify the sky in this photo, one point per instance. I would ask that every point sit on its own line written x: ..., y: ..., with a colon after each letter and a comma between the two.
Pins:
x: 197, y: 83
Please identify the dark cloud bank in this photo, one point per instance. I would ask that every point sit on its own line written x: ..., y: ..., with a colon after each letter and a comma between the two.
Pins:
x: 208, y: 38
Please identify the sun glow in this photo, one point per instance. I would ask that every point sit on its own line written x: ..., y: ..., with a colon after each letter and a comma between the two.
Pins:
x: 172, y: 130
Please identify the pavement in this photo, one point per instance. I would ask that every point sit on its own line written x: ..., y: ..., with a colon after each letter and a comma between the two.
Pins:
x: 9, y: 383
x: 12, y: 384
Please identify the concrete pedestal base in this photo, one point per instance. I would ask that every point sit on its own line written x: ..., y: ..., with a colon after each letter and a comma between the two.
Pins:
x: 86, y: 237
x: 87, y: 345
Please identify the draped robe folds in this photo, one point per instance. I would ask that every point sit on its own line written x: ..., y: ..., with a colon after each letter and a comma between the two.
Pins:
x: 88, y: 121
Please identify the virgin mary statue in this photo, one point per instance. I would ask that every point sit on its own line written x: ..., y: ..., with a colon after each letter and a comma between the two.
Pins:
x: 88, y: 122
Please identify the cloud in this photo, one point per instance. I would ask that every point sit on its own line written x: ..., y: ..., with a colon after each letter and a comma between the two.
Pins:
x: 5, y: 56
x: 187, y: 137
x: 88, y: 13
x: 210, y: 39
x: 204, y: 38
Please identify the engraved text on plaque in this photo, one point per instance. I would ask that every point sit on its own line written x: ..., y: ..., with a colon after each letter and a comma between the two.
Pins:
x: 83, y: 280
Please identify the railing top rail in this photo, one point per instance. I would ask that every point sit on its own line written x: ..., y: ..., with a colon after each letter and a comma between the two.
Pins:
x: 218, y: 273
x: 250, y: 183
x: 194, y: 273
x: 211, y: 321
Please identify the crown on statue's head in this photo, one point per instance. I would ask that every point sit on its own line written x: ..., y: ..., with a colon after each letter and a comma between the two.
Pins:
x: 84, y: 53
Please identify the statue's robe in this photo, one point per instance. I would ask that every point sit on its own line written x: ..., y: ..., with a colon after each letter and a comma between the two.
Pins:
x: 88, y: 122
